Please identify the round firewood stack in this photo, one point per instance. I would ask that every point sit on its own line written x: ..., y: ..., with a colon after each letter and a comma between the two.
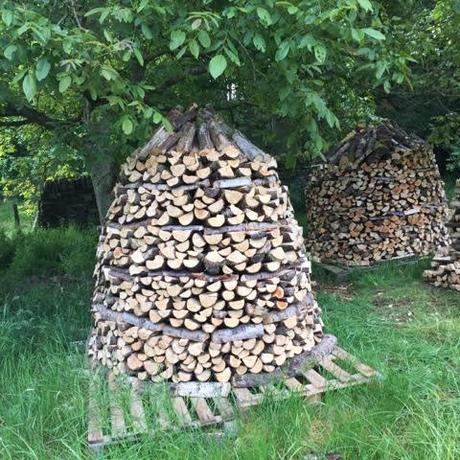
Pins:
x: 202, y: 274
x: 378, y: 197
x: 445, y: 266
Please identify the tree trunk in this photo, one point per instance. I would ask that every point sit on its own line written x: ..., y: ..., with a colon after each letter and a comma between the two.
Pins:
x: 101, y: 172
x: 17, y: 220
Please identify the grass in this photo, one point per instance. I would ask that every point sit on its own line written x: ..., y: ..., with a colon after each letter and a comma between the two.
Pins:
x: 388, y: 317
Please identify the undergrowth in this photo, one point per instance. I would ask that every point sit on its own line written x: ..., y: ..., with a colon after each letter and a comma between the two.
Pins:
x: 387, y: 317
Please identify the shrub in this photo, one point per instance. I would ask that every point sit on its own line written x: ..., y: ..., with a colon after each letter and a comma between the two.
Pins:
x: 53, y: 252
x: 7, y: 248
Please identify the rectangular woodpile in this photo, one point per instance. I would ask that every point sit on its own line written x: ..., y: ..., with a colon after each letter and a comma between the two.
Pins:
x: 445, y: 265
x: 379, y: 197
x: 201, y: 272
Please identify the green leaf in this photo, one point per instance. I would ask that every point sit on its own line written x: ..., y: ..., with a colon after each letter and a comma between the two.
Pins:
x: 204, y: 39
x: 233, y: 55
x: 109, y: 73
x: 181, y: 52
x: 29, y: 86
x: 259, y: 42
x: 196, y: 24
x: 282, y: 51
x: 9, y: 51
x: 42, y: 69
x: 307, y: 41
x: 365, y: 5
x: 373, y: 33
x: 64, y: 83
x: 127, y: 126
x: 217, y: 65
x: 357, y: 35
x: 264, y: 16
x: 142, y: 5
x: 381, y: 68
x: 177, y: 39
x: 320, y: 53
x: 194, y: 48
x: 7, y: 17
x: 146, y: 31
x: 138, y: 55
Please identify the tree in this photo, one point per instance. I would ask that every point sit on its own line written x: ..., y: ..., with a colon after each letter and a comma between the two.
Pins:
x: 98, y: 77
x: 431, y: 105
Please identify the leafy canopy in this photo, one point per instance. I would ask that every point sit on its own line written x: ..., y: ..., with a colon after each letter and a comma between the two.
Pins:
x: 100, y: 76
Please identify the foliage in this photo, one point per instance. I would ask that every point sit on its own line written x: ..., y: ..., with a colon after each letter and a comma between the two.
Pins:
x: 72, y: 66
x: 7, y: 247
x: 431, y: 106
x: 63, y: 252
x: 29, y: 157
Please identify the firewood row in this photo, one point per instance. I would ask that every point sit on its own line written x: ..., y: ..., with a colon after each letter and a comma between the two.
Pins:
x: 202, y: 273
x: 445, y: 266
x: 379, y: 197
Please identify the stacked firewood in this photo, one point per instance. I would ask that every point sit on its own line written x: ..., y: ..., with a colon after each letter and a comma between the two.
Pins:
x: 445, y: 265
x: 378, y: 197
x: 201, y: 274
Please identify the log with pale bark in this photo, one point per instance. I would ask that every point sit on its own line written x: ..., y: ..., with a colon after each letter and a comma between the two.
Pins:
x: 202, y: 275
x: 378, y: 197
x: 445, y: 266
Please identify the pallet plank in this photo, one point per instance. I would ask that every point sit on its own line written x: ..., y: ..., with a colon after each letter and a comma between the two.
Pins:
x: 204, y: 412
x: 293, y: 384
x: 181, y: 410
x: 116, y: 412
x: 95, y: 434
x: 244, y: 397
x: 163, y: 419
x: 315, y: 379
x: 335, y: 370
x: 137, y: 410
x: 225, y: 408
x: 360, y: 367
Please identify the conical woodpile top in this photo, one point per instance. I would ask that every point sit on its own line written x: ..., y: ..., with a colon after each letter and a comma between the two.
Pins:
x: 378, y: 197
x: 372, y: 144
x: 445, y: 265
x: 201, y: 273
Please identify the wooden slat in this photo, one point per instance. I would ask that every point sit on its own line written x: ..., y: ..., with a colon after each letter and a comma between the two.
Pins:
x: 95, y: 434
x: 201, y: 389
x: 116, y: 412
x: 163, y: 419
x: 137, y: 410
x: 293, y: 384
x: 360, y: 367
x: 225, y: 408
x: 245, y: 398
x: 335, y: 370
x: 315, y: 379
x: 203, y: 411
x: 181, y: 409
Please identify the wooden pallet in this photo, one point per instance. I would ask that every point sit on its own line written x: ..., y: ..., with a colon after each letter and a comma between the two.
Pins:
x: 121, y: 409
x: 342, y: 271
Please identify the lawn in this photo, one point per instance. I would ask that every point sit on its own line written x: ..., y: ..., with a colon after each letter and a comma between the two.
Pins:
x: 389, y: 318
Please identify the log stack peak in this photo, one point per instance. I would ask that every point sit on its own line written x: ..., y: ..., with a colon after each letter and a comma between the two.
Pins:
x: 445, y: 266
x: 201, y: 273
x: 379, y: 196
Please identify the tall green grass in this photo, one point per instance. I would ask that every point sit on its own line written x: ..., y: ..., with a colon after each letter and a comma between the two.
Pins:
x: 387, y: 317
